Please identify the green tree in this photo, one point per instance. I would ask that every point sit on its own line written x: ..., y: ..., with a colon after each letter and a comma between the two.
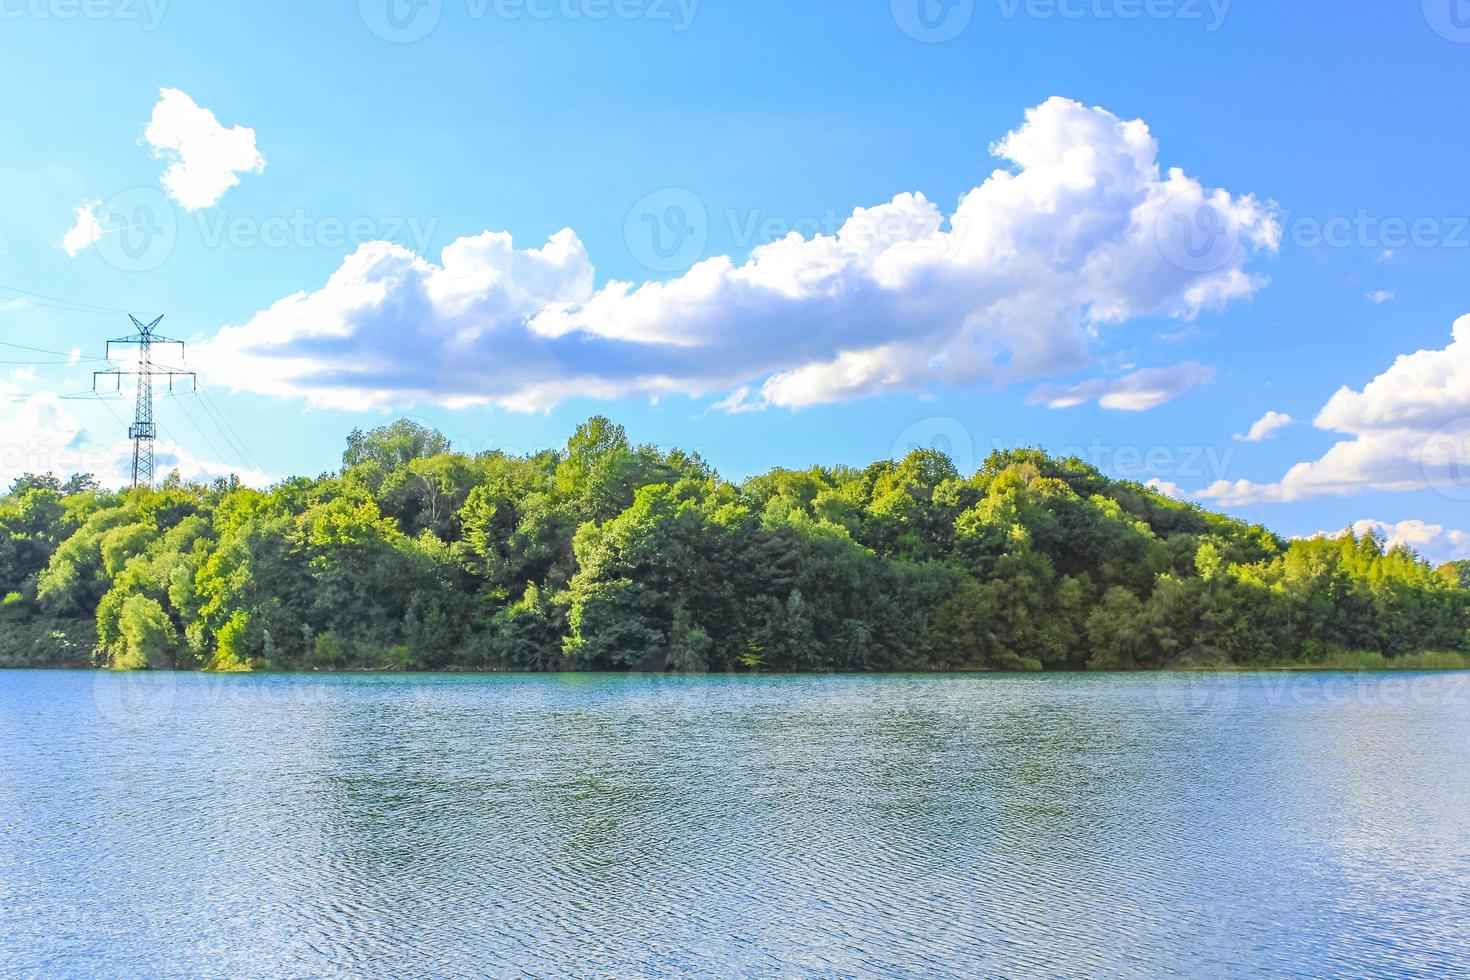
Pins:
x: 608, y: 555
x: 146, y: 636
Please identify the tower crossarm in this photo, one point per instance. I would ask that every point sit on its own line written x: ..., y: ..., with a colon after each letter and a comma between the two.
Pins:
x: 157, y: 372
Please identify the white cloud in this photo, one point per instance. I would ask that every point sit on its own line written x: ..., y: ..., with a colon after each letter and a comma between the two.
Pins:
x: 1434, y: 542
x: 1167, y: 488
x: 205, y: 159
x: 1265, y: 427
x: 85, y: 231
x: 1410, y: 428
x: 740, y: 400
x: 169, y: 456
x: 1420, y: 390
x: 1134, y: 392
x: 1076, y: 235
x: 1381, y: 296
x: 42, y: 435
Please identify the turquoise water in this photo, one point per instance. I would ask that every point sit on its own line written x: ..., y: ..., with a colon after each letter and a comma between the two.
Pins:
x: 1226, y: 825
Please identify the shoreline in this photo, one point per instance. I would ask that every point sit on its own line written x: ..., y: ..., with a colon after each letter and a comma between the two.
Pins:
x: 685, y: 675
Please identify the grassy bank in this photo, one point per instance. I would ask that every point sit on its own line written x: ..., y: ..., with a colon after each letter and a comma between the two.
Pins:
x: 1370, y: 660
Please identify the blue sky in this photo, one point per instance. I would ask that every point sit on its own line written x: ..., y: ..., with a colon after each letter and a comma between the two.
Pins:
x: 1334, y: 132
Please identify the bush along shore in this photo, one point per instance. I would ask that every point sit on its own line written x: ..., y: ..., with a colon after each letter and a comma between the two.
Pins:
x: 611, y: 556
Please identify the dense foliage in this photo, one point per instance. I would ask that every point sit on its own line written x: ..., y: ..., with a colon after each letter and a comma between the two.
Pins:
x: 613, y: 556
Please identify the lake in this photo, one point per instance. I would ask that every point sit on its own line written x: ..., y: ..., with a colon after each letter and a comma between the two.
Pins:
x: 1201, y: 824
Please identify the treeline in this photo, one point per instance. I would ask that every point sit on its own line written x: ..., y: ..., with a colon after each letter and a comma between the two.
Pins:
x: 610, y: 556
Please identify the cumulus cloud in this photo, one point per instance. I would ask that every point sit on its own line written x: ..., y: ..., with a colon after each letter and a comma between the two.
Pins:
x: 42, y: 435
x: 1410, y: 428
x: 1434, y: 542
x: 85, y: 230
x: 1265, y: 427
x: 1381, y: 296
x: 39, y: 436
x: 205, y: 159
x: 1080, y: 230
x: 170, y: 456
x: 1168, y: 488
x: 1134, y: 392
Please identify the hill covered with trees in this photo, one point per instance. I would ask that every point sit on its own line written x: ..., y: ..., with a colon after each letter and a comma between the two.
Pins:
x: 611, y: 556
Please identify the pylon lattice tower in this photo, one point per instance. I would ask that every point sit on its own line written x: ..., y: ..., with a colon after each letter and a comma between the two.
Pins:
x: 144, y: 431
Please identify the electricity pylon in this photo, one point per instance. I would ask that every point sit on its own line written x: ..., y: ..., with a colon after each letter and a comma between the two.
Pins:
x: 143, y: 432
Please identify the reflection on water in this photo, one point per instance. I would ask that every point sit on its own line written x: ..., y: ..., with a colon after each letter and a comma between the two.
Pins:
x: 894, y: 826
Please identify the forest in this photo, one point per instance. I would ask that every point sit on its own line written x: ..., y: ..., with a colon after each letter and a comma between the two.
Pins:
x: 608, y: 555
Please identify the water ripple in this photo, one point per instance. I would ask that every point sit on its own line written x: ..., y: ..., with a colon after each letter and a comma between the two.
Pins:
x: 1288, y: 825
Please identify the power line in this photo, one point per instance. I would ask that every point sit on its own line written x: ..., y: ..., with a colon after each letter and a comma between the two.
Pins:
x: 79, y: 311
x: 224, y: 423
x: 73, y: 305
x: 207, y: 441
x: 111, y: 411
x: 80, y: 396
x: 234, y: 447
x: 145, y: 429
x: 46, y: 350
x: 249, y: 458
